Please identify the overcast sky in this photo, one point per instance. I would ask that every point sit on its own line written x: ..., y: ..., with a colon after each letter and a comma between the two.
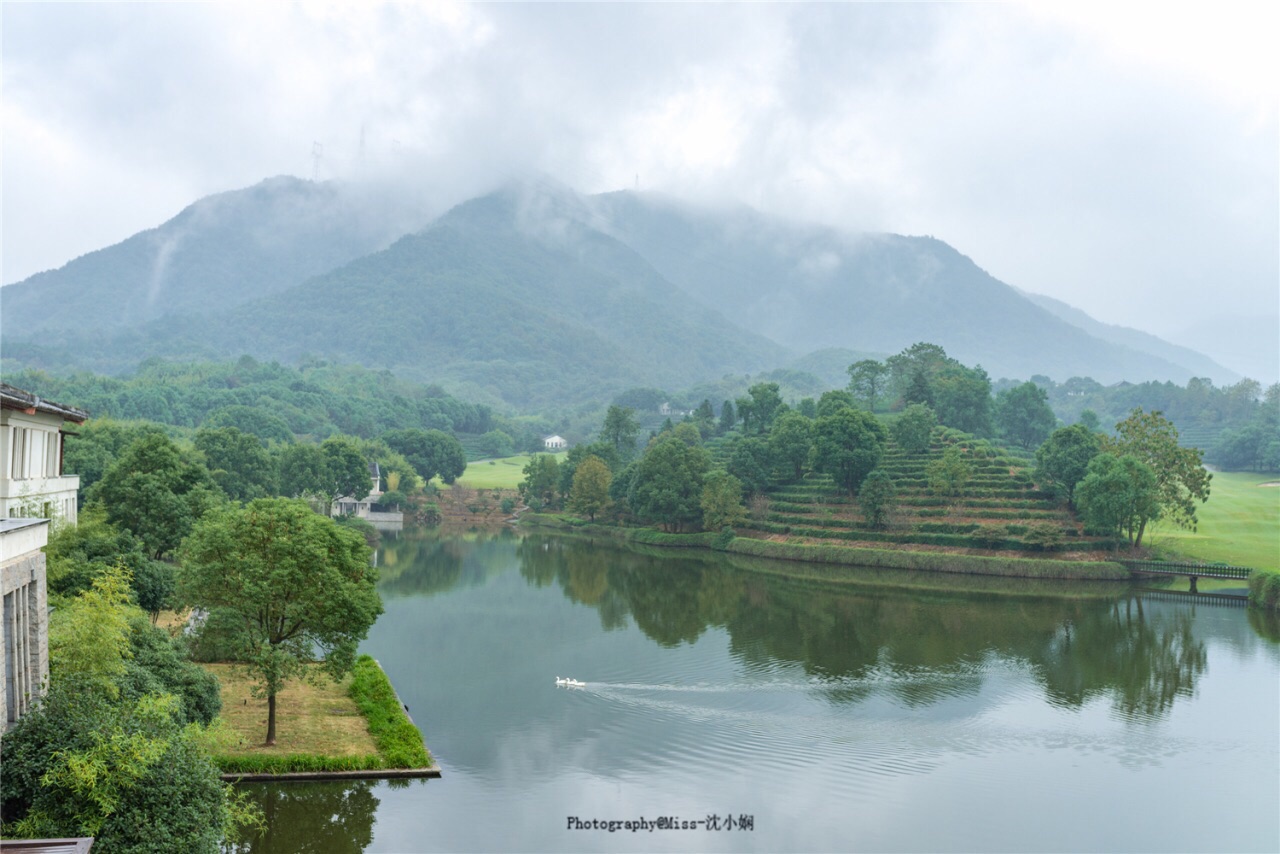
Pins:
x: 1123, y: 160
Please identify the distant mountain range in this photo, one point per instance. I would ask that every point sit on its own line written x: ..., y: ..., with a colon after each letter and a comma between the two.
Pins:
x: 535, y: 296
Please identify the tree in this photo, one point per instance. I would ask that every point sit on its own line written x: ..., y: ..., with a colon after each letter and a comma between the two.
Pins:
x: 913, y: 431
x: 789, y: 443
x: 1119, y: 494
x: 833, y: 400
x: 878, y: 498
x: 923, y: 359
x: 667, y: 487
x: 728, y: 417
x: 346, y: 468
x: 1061, y: 462
x: 867, y: 379
x: 541, y: 481
x: 721, y: 501
x: 847, y: 445
x: 432, y: 453
x: 89, y: 638
x: 620, y: 430
x: 949, y: 473
x: 129, y: 774
x: 750, y: 461
x: 303, y: 470
x: 760, y: 407
x: 567, y: 466
x: 156, y: 492
x: 292, y: 582
x: 1182, y: 479
x: 590, y: 491
x: 496, y: 443
x: 1023, y: 415
x: 963, y: 399
x: 1089, y: 420
x: 238, y: 462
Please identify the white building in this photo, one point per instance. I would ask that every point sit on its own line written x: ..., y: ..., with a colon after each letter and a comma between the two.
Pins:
x: 33, y: 489
x: 555, y: 443
x: 31, y: 443
x: 364, y: 507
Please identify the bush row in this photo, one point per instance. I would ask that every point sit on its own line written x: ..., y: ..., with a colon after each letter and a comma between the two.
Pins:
x: 397, y: 738
x: 1264, y: 589
x: 932, y: 561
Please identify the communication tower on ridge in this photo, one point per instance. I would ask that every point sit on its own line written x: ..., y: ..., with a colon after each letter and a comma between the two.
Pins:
x: 317, y: 152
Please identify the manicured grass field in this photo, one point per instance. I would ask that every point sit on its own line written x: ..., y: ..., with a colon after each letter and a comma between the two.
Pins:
x: 318, y: 720
x: 504, y: 473
x: 1240, y: 524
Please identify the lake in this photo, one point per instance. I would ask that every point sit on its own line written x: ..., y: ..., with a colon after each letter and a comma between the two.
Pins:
x: 757, y: 712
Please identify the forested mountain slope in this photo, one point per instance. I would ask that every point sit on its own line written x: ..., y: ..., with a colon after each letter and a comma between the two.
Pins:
x: 220, y: 251
x: 813, y: 287
x: 501, y: 296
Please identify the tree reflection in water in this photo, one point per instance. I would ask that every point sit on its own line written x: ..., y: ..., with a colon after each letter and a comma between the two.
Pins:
x: 319, y: 818
x: 920, y: 646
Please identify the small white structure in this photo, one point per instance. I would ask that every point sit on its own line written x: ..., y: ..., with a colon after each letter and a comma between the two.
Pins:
x: 31, y: 443
x: 363, y: 507
x: 555, y: 443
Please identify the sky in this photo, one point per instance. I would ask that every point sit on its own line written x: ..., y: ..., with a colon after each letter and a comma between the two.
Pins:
x: 1123, y: 158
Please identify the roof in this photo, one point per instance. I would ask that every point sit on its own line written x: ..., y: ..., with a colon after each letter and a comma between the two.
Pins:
x: 25, y: 401
x: 52, y: 846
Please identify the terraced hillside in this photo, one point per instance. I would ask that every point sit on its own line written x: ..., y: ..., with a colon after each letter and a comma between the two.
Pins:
x: 998, y: 508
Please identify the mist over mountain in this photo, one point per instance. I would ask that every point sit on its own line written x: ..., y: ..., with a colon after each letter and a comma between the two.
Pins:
x: 535, y: 295
x: 220, y: 251
x: 809, y: 287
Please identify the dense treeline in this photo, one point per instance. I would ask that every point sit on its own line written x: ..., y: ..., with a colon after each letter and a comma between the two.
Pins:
x: 267, y: 399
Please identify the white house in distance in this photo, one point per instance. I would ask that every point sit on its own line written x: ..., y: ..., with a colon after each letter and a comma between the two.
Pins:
x: 364, y: 507
x: 32, y: 490
x: 555, y: 443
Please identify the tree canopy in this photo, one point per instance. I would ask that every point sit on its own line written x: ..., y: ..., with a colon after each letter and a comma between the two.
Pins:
x: 847, y: 445
x: 1181, y: 478
x: 1023, y: 415
x: 289, y: 583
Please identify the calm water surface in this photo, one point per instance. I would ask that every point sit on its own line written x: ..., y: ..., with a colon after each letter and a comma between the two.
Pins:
x: 889, y: 715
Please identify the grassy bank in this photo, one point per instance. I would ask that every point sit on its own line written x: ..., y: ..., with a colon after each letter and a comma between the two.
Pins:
x: 503, y: 473
x: 1239, y: 525
x: 920, y: 561
x: 321, y: 725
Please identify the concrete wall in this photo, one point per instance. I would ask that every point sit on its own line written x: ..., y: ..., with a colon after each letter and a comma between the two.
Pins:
x: 24, y: 629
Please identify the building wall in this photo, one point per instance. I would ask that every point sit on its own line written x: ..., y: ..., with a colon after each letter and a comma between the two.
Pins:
x: 24, y: 634
x: 31, y: 479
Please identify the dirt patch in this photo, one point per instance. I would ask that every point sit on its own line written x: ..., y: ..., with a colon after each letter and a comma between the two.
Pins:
x: 1270, y: 483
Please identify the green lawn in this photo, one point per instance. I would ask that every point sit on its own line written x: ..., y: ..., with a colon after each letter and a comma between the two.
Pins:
x: 504, y: 473
x: 1240, y: 524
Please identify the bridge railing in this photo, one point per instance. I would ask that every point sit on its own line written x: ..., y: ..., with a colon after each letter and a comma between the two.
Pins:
x: 1203, y: 570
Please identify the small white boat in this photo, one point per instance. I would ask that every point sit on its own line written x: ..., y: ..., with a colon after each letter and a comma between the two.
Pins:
x: 570, y: 683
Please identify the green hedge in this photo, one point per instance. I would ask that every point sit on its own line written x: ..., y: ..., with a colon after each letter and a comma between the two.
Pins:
x: 932, y: 561
x: 298, y: 762
x: 1264, y: 589
x: 397, y: 738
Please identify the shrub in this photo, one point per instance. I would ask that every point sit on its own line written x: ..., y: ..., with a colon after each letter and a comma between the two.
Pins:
x: 1044, y: 536
x: 1264, y: 589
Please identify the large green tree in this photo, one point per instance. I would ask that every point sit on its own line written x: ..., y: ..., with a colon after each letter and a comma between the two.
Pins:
x: 589, y: 492
x: 541, y: 483
x: 238, y: 462
x: 433, y: 453
x: 913, y: 430
x: 847, y: 445
x: 962, y: 398
x: 288, y: 584
x: 877, y: 498
x: 156, y: 492
x: 1180, y: 475
x: 667, y: 486
x: 1119, y: 495
x: 1023, y: 415
x: 1063, y: 459
x: 721, y: 501
x: 789, y: 444
x: 620, y: 430
x: 758, y: 409
x: 867, y: 380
